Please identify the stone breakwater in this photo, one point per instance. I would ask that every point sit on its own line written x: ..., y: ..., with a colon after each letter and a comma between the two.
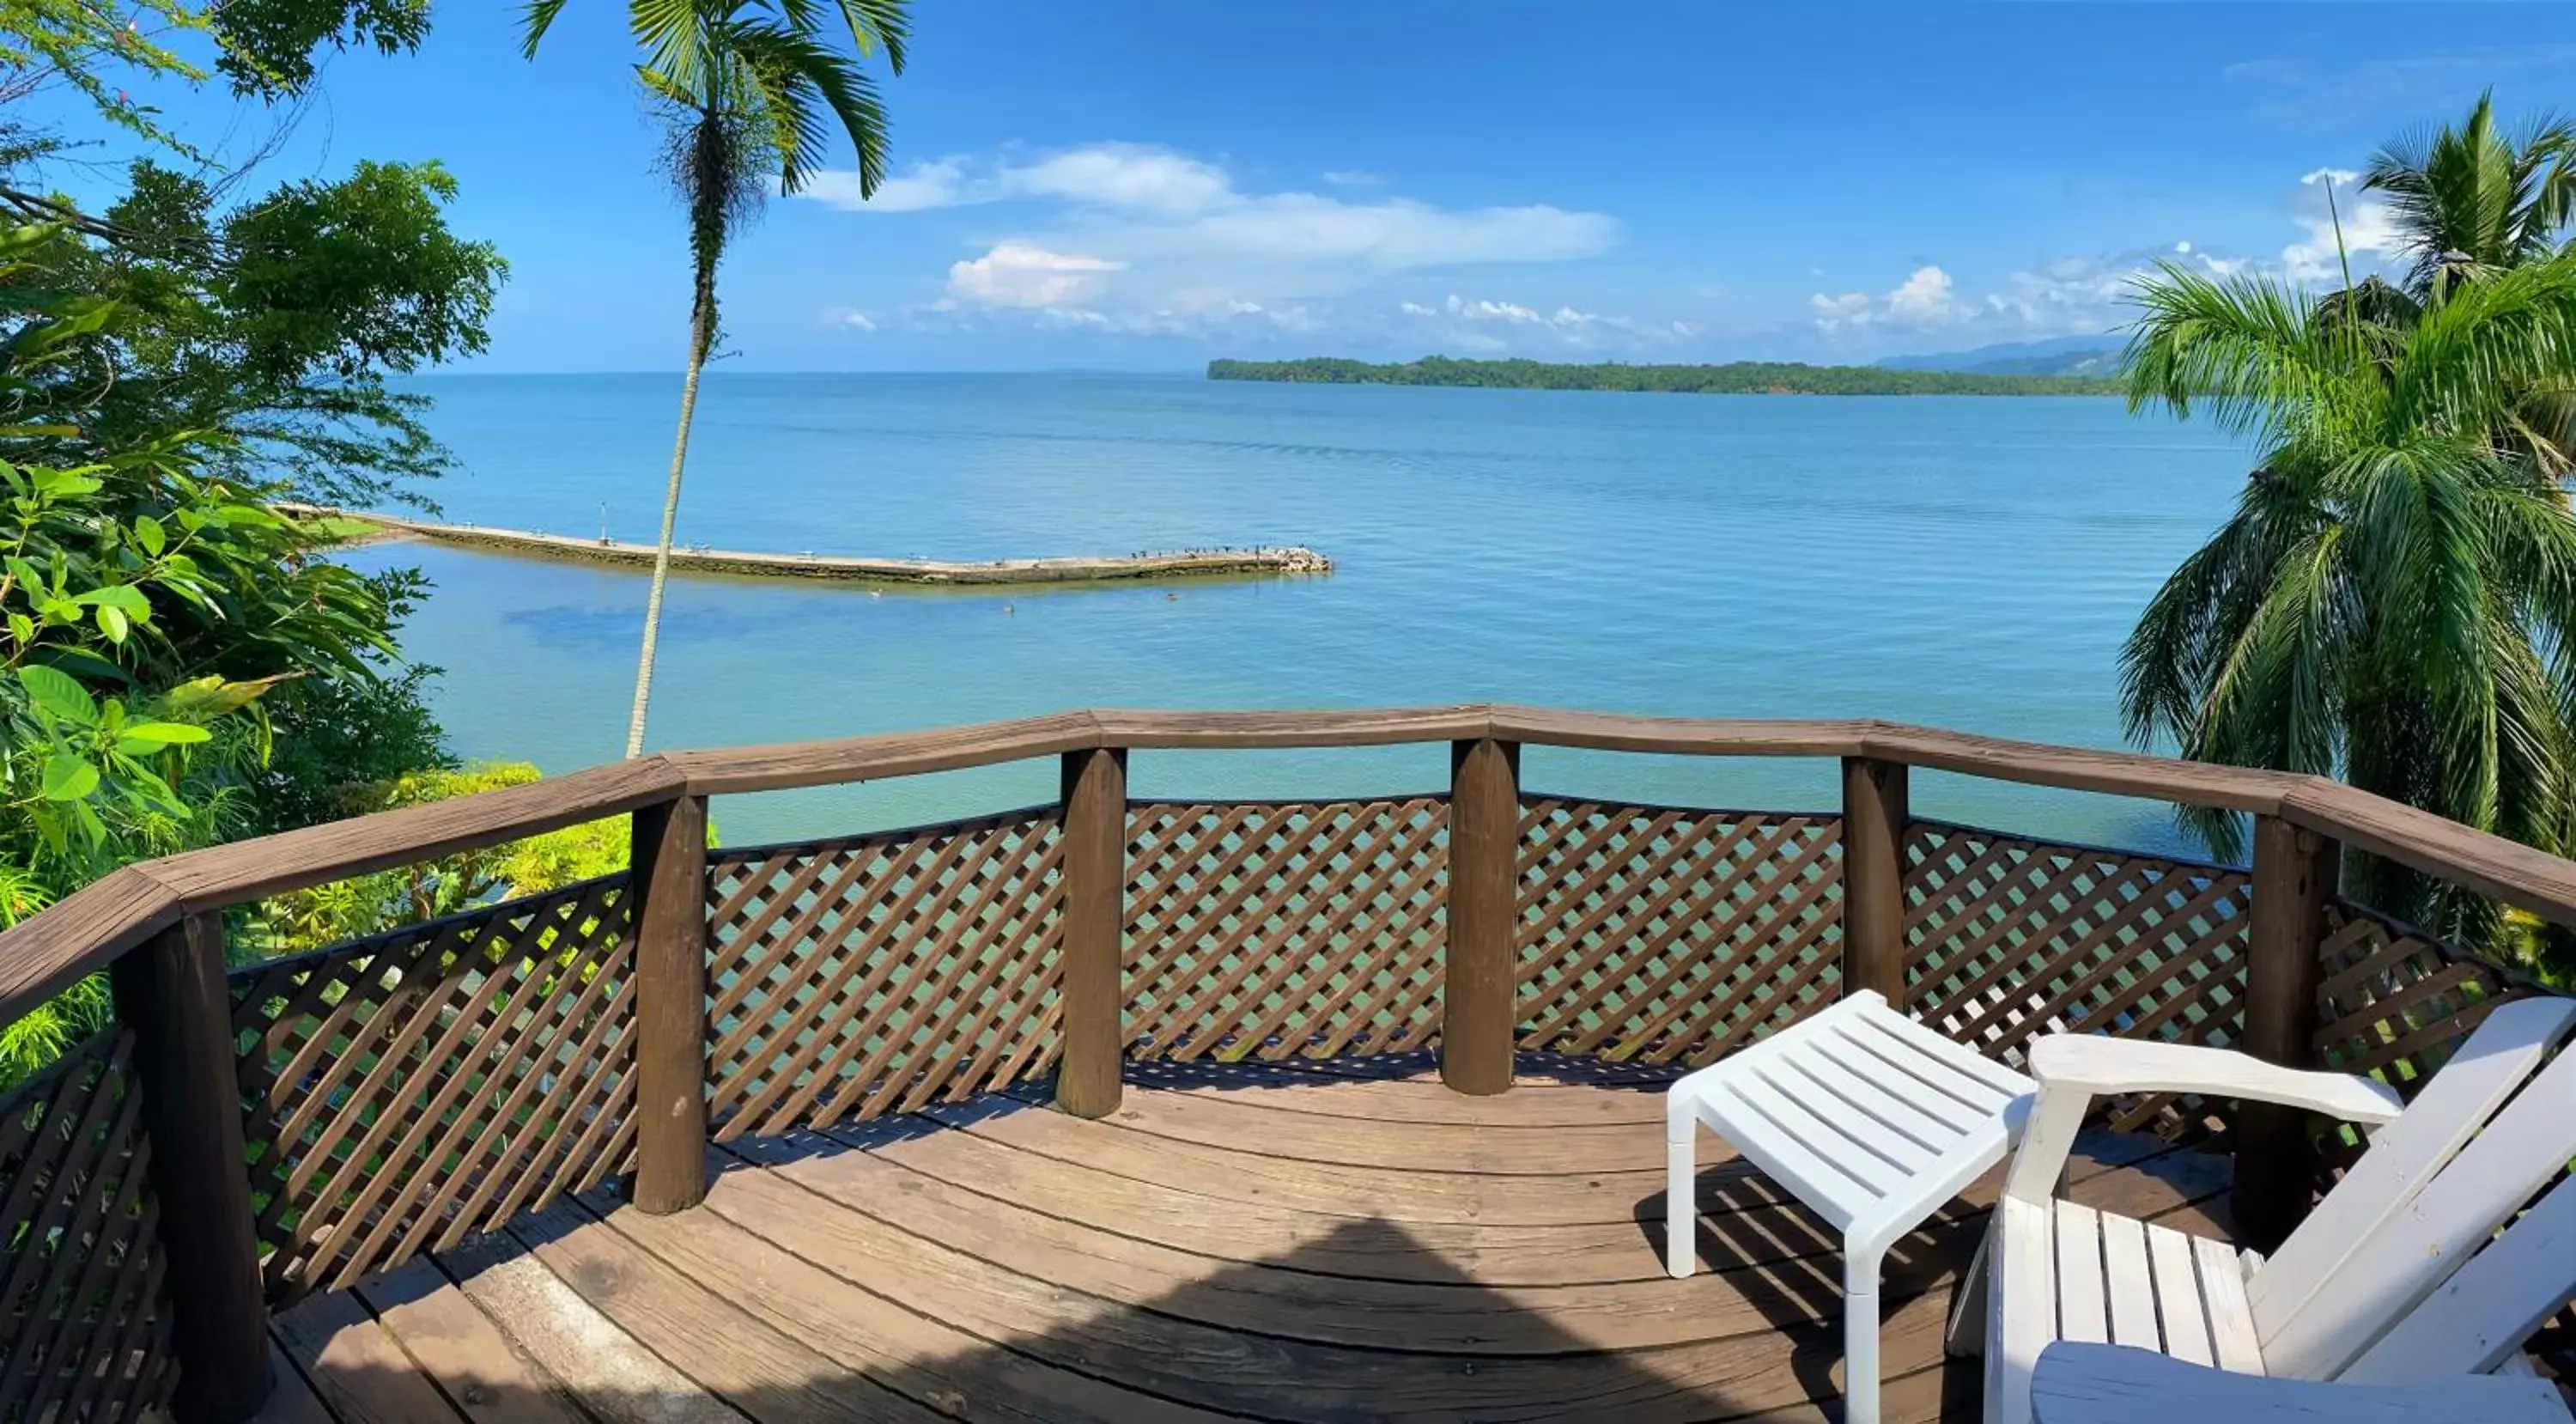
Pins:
x: 1109, y: 568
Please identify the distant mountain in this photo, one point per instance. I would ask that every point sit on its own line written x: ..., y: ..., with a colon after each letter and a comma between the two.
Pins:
x: 2059, y: 356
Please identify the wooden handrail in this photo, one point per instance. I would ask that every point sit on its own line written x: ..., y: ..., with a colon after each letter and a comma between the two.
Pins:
x: 47, y: 952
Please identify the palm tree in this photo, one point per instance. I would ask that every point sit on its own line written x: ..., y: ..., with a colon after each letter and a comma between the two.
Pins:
x: 2472, y: 200
x: 2394, y: 598
x: 2469, y: 200
x: 751, y: 90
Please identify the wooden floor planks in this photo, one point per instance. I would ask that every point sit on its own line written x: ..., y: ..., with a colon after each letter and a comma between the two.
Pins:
x: 1236, y: 1242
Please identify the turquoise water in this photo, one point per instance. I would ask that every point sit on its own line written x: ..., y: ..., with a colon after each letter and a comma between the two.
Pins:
x: 1963, y: 562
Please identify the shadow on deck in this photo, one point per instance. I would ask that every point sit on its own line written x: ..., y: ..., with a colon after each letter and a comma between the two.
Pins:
x: 1326, y: 1242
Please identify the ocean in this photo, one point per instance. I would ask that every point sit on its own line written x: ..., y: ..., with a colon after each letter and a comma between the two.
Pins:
x: 1962, y: 562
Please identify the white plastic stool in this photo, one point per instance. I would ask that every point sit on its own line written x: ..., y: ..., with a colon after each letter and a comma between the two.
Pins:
x: 1871, y: 1119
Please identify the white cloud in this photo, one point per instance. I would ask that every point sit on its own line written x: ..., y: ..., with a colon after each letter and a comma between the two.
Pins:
x: 1926, y: 298
x: 1482, y: 310
x: 924, y: 185
x: 2070, y: 296
x: 1015, y: 274
x: 858, y: 321
x: 1353, y: 178
x: 1155, y: 239
x: 1487, y: 324
x: 1123, y: 175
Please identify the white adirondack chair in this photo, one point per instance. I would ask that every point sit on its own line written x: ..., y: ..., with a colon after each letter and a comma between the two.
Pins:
x: 2384, y: 1284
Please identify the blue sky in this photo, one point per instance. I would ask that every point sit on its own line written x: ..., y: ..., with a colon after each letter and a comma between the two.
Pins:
x: 1148, y: 183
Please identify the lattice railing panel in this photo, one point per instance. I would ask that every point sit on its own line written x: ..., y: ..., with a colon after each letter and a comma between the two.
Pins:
x: 2008, y: 938
x: 1671, y: 936
x: 876, y: 974
x: 84, y: 1325
x: 414, y: 1088
x: 2395, y: 1003
x: 1277, y: 930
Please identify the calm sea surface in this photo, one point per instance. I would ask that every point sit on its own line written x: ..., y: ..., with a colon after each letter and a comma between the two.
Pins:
x: 1971, y: 563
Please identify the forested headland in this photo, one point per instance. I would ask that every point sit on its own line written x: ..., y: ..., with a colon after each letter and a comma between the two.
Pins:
x: 1734, y: 378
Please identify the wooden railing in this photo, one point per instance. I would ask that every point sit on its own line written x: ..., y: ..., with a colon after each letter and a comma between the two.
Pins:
x: 242, y: 1138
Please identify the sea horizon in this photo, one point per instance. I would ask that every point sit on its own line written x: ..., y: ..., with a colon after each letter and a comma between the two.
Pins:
x: 1962, y: 561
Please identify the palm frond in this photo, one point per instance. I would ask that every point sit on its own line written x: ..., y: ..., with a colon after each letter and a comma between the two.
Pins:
x: 791, y: 70
x: 2472, y: 356
x: 535, y: 18
x: 2245, y: 350
x: 879, y: 25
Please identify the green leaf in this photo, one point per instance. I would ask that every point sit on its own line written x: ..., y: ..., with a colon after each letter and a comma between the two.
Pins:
x: 149, y: 533
x: 59, y: 693
x: 68, y: 777
x: 123, y: 597
x: 81, y: 662
x: 165, y: 734
x: 213, y: 697
x: 22, y: 628
x: 245, y: 516
x: 111, y: 621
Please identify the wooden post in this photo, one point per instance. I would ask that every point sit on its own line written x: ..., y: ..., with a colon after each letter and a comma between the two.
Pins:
x: 170, y: 992
x: 1095, y: 930
x: 669, y: 880
x: 1874, y: 819
x: 2295, y: 873
x: 1481, y: 976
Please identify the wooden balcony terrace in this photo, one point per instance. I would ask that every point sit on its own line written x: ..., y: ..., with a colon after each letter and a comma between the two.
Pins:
x: 1117, y: 1109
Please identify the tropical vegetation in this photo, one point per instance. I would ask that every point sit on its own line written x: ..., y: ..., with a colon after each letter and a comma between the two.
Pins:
x: 749, y: 92
x: 179, y: 664
x: 2393, y: 599
x: 1733, y: 378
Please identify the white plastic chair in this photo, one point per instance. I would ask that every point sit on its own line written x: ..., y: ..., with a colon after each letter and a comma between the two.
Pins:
x: 2384, y: 1284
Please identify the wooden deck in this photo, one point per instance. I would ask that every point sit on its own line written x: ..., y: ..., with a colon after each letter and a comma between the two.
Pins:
x: 1277, y: 1245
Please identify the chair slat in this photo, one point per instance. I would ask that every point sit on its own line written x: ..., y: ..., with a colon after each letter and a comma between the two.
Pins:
x: 2407, y: 1154
x: 2231, y: 1321
x: 2081, y: 1313
x: 2396, y: 1266
x: 2025, y: 1276
x: 2480, y: 1317
x: 2179, y: 1307
x: 2128, y: 1283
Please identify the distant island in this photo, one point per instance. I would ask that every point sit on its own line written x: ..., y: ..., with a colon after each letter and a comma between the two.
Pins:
x: 1734, y: 378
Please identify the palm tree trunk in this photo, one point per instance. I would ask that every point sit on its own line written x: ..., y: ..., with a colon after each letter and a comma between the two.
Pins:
x: 701, y: 336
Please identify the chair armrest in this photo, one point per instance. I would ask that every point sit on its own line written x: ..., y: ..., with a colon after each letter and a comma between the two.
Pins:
x: 2118, y: 1384
x: 2096, y: 1064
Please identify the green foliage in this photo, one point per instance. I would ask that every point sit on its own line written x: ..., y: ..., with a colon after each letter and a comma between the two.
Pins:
x: 269, y: 44
x: 2394, y: 598
x: 263, y: 48
x: 1734, y: 378
x: 142, y: 604
x: 277, y: 323
x: 333, y: 736
x: 2471, y: 200
x: 177, y: 664
x: 773, y: 64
